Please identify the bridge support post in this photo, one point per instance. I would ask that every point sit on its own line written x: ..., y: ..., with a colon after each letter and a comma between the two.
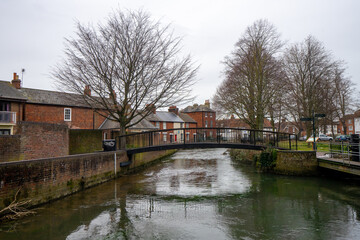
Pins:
x: 289, y: 141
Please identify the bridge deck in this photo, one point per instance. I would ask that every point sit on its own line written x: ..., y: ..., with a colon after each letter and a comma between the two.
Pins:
x: 341, y: 165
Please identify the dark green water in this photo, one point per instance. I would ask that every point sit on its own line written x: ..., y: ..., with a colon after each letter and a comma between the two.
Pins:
x: 200, y: 194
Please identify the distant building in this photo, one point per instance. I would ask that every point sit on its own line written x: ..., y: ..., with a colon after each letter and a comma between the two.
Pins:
x: 205, y: 118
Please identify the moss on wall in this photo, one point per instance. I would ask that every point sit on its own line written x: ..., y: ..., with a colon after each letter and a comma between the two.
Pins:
x: 84, y: 141
x: 302, y: 163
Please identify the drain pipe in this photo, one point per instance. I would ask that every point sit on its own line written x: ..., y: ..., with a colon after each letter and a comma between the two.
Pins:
x: 115, y: 163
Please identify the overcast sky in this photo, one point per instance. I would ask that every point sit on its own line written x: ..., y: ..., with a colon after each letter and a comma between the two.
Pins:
x: 33, y: 31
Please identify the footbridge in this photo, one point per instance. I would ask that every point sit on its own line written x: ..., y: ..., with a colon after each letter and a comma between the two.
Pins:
x: 188, y: 138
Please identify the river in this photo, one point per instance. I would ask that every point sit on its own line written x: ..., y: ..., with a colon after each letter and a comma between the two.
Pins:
x: 200, y: 194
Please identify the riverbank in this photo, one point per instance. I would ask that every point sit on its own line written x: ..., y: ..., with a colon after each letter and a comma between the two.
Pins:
x: 284, y: 162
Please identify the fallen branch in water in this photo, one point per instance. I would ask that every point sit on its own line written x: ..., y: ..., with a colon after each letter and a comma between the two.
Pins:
x: 15, y: 210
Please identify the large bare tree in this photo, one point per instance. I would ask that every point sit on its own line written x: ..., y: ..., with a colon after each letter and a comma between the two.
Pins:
x: 129, y: 63
x: 252, y: 75
x: 309, y: 67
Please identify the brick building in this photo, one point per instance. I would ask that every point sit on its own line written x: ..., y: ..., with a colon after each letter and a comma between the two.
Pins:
x: 34, y: 105
x: 205, y: 118
x: 202, y: 114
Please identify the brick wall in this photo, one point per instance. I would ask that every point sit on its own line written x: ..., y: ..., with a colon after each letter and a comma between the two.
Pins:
x: 43, y: 180
x: 81, y: 118
x: 84, y: 141
x: 10, y: 148
x: 43, y: 140
x: 35, y: 140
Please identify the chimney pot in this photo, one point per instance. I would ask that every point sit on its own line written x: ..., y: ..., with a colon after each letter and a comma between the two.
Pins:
x: 174, y: 109
x: 16, y: 82
x: 87, y: 90
x: 207, y: 103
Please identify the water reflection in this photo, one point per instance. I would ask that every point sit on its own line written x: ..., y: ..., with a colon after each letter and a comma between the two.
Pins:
x: 201, y: 194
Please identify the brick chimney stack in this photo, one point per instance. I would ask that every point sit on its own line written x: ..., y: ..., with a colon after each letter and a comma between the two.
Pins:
x: 151, y: 107
x: 16, y: 82
x: 207, y: 103
x: 87, y: 90
x: 174, y: 109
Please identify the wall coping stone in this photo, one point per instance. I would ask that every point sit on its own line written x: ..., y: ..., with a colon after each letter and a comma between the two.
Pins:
x: 59, y: 158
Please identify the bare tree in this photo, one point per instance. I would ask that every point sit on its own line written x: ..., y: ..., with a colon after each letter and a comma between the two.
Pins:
x: 252, y: 75
x: 129, y: 63
x: 343, y: 95
x: 309, y: 69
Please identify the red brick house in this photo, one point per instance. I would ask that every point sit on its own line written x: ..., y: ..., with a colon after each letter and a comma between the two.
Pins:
x: 204, y: 116
x: 34, y: 105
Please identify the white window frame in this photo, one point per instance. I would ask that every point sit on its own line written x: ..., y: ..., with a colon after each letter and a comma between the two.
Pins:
x: 157, y: 124
x: 164, y: 125
x: 187, y: 125
x: 69, y: 114
x: 349, y: 121
x: 351, y: 128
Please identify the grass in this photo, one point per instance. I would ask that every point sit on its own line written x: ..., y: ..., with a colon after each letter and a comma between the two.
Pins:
x: 321, y: 146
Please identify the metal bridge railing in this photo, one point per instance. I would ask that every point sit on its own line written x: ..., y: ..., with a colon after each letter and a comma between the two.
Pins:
x: 344, y: 151
x: 208, y: 135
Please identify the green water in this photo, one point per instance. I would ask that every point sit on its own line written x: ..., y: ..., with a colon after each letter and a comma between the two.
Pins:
x: 200, y: 194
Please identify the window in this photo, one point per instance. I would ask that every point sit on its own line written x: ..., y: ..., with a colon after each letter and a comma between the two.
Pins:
x: 349, y: 121
x: 67, y: 114
x: 210, y: 114
x: 4, y: 131
x: 164, y: 125
x: 350, y: 128
x: 164, y: 137
x: 187, y: 125
x: 206, y: 114
x: 105, y: 136
x: 211, y: 124
x: 158, y: 125
x: 5, y: 106
x: 181, y: 125
x: 187, y: 136
x: 205, y: 123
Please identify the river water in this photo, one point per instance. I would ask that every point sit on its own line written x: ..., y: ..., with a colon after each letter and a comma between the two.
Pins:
x: 200, y: 194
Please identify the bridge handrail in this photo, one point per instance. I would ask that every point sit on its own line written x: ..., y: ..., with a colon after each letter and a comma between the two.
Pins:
x: 206, y: 128
x: 216, y: 134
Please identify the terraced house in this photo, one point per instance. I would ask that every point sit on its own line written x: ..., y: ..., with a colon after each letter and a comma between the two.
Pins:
x: 34, y: 105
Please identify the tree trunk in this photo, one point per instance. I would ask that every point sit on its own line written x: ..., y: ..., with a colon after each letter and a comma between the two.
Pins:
x: 122, y: 140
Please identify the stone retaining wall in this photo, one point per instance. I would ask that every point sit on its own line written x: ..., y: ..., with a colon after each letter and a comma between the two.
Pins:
x: 296, y: 163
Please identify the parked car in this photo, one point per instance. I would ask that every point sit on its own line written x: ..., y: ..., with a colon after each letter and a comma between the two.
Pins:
x: 342, y: 138
x: 323, y: 137
x: 303, y: 138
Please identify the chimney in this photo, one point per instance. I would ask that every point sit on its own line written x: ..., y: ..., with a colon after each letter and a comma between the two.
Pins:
x: 174, y: 109
x: 16, y: 82
x: 207, y: 103
x: 151, y: 107
x: 87, y: 90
